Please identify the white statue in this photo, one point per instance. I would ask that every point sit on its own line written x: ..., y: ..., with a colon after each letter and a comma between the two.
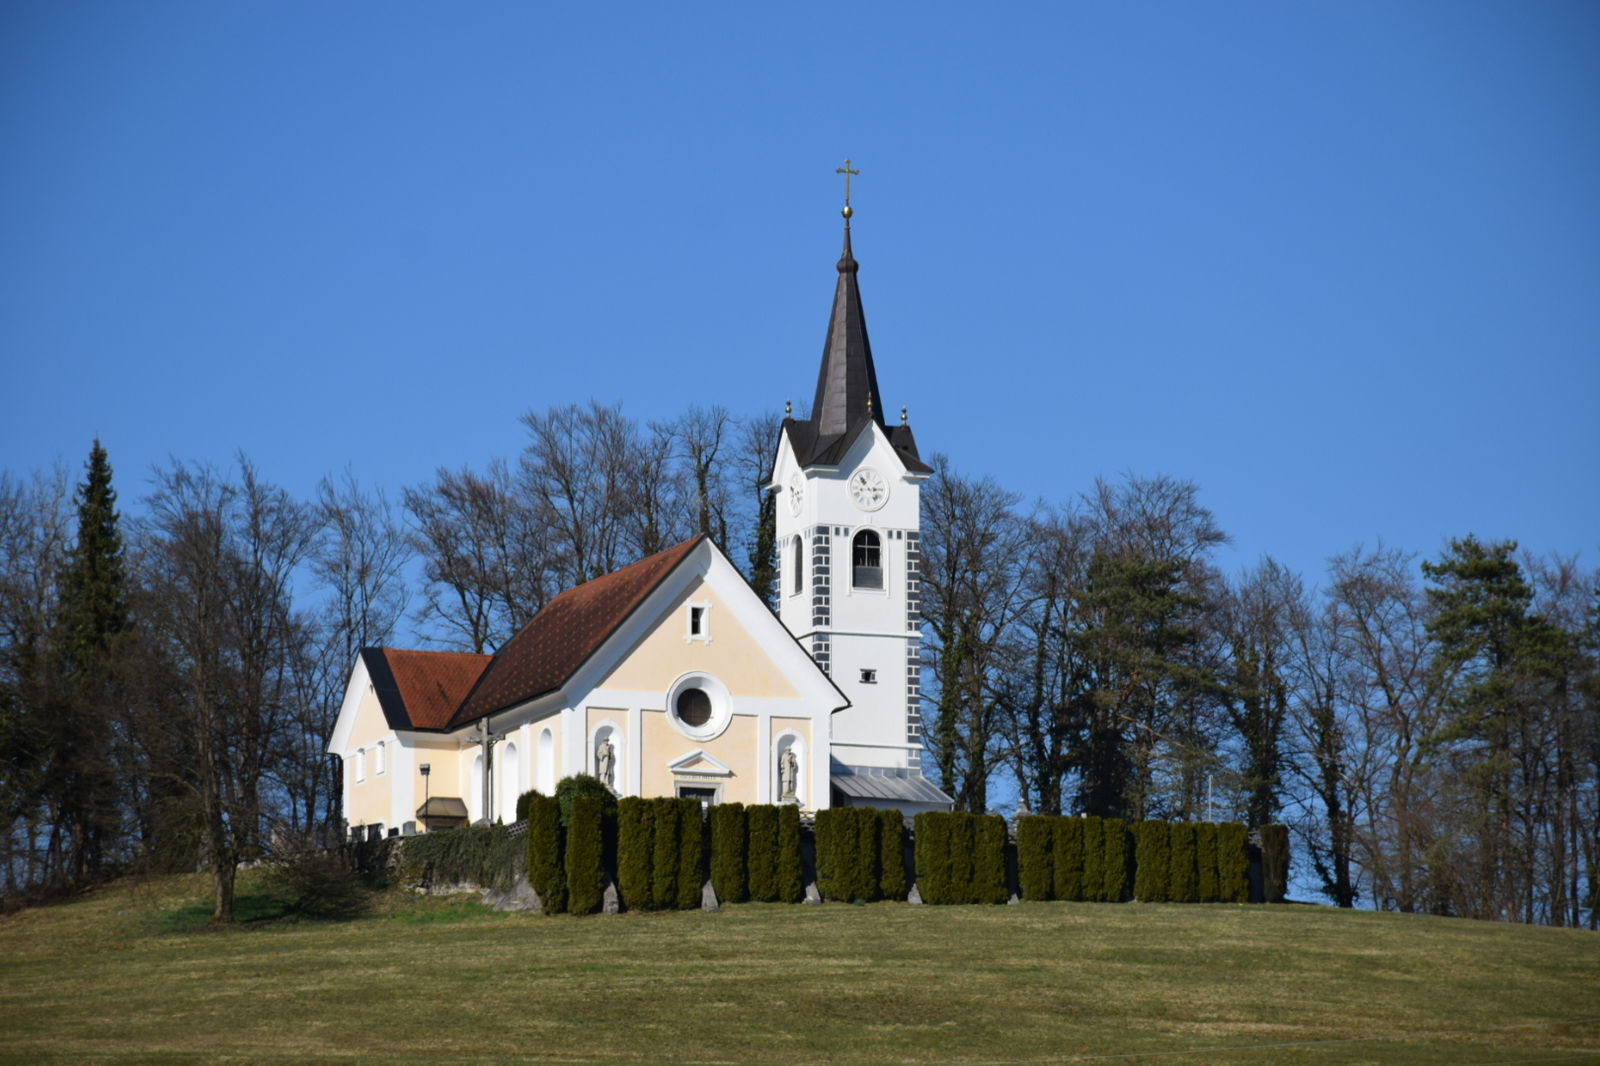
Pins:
x: 788, y: 774
x: 605, y: 762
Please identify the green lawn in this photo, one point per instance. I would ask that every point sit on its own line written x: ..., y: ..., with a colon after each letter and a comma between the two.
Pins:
x: 129, y: 974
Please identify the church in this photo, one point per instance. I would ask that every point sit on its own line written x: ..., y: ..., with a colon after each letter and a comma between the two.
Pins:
x: 671, y: 677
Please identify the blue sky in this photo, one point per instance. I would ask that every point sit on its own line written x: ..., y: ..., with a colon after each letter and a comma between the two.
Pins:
x: 1339, y: 264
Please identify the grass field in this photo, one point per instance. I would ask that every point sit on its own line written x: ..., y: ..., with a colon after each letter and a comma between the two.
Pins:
x: 131, y: 974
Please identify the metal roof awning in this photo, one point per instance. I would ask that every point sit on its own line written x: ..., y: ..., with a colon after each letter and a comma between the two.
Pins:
x: 442, y: 807
x: 884, y: 783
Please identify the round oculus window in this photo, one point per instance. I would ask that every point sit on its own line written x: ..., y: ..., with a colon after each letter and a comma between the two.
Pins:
x: 694, y: 707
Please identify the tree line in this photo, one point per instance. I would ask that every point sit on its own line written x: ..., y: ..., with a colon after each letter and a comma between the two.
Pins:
x: 169, y: 679
x: 1431, y: 729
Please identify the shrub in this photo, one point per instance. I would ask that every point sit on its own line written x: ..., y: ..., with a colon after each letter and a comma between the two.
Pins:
x: 1183, y: 875
x: 1067, y: 860
x: 791, y: 872
x: 1117, y: 873
x: 585, y: 854
x: 1152, y: 861
x: 666, y: 818
x: 546, y: 850
x: 932, y: 854
x: 691, y: 853
x: 892, y: 882
x: 963, y: 852
x: 761, y: 854
x: 1036, y: 865
x: 1275, y: 862
x: 319, y: 883
x: 569, y: 788
x: 636, y: 852
x: 1205, y: 857
x: 729, y: 840
x: 1094, y: 857
x: 523, y: 802
x: 1233, y: 863
x: 989, y: 881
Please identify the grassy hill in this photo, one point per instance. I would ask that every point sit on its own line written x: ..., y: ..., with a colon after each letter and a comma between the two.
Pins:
x: 131, y: 974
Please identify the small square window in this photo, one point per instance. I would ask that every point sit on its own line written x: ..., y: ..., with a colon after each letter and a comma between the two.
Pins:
x: 869, y: 677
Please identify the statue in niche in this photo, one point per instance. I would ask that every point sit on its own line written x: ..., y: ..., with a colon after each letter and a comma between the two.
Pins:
x: 605, y: 762
x: 788, y: 775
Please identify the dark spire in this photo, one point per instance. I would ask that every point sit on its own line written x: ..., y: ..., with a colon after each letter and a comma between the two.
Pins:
x: 847, y: 386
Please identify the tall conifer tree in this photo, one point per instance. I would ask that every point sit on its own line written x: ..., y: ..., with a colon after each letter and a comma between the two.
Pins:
x: 93, y: 618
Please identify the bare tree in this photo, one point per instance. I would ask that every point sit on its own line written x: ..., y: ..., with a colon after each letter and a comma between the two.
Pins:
x: 577, y: 470
x: 220, y: 557
x: 973, y: 552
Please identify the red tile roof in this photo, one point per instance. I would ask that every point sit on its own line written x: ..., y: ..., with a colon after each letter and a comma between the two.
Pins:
x: 431, y: 684
x: 550, y: 649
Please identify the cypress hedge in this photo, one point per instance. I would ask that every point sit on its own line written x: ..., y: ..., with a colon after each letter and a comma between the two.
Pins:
x: 522, y: 805
x: 848, y: 856
x: 664, y: 858
x: 1117, y: 874
x: 892, y: 880
x: 933, y: 856
x: 729, y: 838
x: 1067, y: 859
x: 761, y: 855
x: 585, y: 854
x: 1233, y: 863
x: 1205, y: 854
x: 1036, y: 860
x: 636, y: 852
x: 963, y: 853
x: 1094, y: 858
x: 1275, y: 862
x: 1153, y: 862
x: 691, y: 852
x: 791, y: 874
x: 546, y: 849
x: 989, y: 882
x: 1183, y: 876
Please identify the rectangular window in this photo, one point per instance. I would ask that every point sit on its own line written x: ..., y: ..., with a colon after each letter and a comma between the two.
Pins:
x: 869, y: 677
x: 699, y: 622
x: 361, y: 765
x: 378, y: 758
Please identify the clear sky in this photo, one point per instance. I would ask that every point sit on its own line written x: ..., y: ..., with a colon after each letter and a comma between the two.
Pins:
x: 1339, y: 264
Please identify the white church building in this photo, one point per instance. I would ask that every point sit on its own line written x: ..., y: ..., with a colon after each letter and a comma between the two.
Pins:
x: 671, y: 676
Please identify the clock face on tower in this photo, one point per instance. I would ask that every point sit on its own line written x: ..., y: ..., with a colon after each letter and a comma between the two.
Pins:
x: 868, y: 489
x: 796, y: 493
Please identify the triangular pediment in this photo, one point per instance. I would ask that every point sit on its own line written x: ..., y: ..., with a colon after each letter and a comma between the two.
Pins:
x: 700, y: 763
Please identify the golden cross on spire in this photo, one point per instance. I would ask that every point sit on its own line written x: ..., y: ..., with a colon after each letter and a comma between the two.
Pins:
x: 847, y: 172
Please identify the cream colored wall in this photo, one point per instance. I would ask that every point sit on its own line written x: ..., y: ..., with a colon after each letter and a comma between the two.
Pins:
x: 444, y: 777
x: 367, y: 802
x: 738, y: 747
x: 732, y: 655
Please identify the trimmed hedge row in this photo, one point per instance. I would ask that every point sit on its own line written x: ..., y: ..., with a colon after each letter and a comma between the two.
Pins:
x: 861, y: 854
x: 1101, y: 859
x: 961, y: 858
x: 660, y: 853
x: 1274, y: 862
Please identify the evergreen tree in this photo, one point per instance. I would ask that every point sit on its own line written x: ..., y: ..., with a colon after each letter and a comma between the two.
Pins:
x: 93, y: 618
x: 1494, y: 659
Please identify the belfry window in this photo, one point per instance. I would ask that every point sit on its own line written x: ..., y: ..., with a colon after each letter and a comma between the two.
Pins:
x: 797, y: 582
x: 866, y: 561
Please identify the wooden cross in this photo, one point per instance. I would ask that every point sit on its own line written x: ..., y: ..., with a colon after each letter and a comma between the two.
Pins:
x: 846, y: 171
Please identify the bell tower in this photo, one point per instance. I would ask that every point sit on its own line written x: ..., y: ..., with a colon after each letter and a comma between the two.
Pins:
x: 849, y: 547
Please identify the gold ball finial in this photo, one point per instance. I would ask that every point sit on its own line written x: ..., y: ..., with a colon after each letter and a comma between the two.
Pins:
x: 902, y: 414
x: 788, y: 408
x: 847, y: 212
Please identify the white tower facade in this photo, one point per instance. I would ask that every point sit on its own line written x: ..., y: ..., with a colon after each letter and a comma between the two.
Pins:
x: 849, y: 547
